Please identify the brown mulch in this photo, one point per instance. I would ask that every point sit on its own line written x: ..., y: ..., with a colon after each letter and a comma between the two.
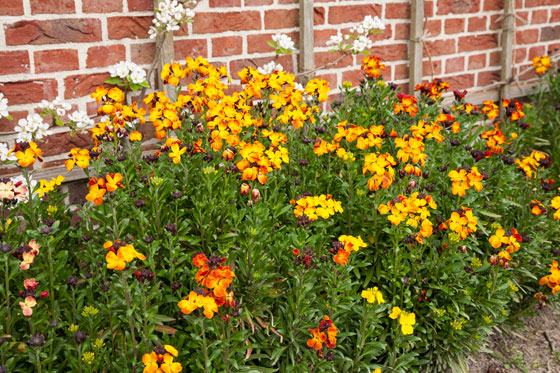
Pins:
x: 535, y: 348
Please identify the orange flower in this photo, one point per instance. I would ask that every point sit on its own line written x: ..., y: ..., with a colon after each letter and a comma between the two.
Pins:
x: 114, y: 182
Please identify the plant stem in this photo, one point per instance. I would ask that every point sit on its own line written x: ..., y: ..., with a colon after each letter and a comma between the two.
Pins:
x: 38, y: 358
x: 30, y: 197
x: 204, y: 346
x: 145, y: 317
x: 51, y: 280
x: 225, y: 328
x: 130, y: 320
x: 7, y: 289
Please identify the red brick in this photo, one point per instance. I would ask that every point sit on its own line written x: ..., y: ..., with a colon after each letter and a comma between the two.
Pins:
x: 128, y: 27
x: 296, y: 1
x: 433, y: 27
x: 60, y: 143
x: 258, y: 2
x: 52, y: 60
x: 402, y: 31
x: 431, y: 68
x: 7, y: 125
x: 57, y: 31
x: 258, y: 43
x: 457, y: 6
x: 10, y: 171
x: 82, y: 85
x: 209, y: 23
x: 490, y: 5
x: 15, y: 62
x: 495, y: 59
x: 52, y: 6
x: 397, y: 10
x: 224, y: 3
x: 527, y: 36
x: 554, y: 15
x: 454, y: 25
x: 384, y: 35
x: 11, y: 7
x: 496, y: 22
x: 318, y: 16
x: 477, y: 62
x: 440, y: 47
x: 525, y: 72
x: 534, y: 3
x: 281, y: 18
x: 539, y: 16
x: 520, y: 55
x: 238, y: 65
x: 143, y: 53
x: 227, y: 46
x: 521, y: 18
x: 550, y: 33
x: 536, y: 51
x: 454, y: 65
x: 140, y: 5
x: 401, y: 72
x: 102, y: 6
x: 460, y: 82
x: 428, y: 9
x: 324, y: 58
x: 488, y: 77
x: 477, y: 24
x: 352, y: 13
x: 190, y: 47
x: 393, y: 52
x: 102, y: 56
x: 353, y: 76
x: 479, y: 42
x: 30, y: 91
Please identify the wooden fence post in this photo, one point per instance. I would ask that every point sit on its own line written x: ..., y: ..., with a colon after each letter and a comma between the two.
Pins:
x: 306, y: 38
x: 416, y: 43
x: 507, y: 49
x: 166, y: 55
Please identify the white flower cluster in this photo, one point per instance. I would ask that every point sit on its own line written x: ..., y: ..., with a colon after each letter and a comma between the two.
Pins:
x: 81, y: 119
x: 283, y: 41
x: 31, y: 128
x: 125, y: 70
x: 170, y: 16
x: 3, y: 106
x: 358, y: 39
x: 57, y: 106
x: 270, y: 67
x: 4, y: 150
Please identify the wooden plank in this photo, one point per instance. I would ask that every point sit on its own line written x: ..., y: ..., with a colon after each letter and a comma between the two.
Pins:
x: 416, y: 43
x: 507, y: 49
x: 165, y: 56
x: 306, y: 39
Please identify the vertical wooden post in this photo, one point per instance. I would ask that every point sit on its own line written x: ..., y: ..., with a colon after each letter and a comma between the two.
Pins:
x: 166, y: 55
x: 507, y: 48
x: 415, y: 50
x: 306, y: 38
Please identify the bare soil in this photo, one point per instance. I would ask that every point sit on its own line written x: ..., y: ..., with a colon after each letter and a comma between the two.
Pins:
x: 534, y: 348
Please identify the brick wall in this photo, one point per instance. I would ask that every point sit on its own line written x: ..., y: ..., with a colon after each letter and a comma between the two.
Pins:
x: 64, y: 47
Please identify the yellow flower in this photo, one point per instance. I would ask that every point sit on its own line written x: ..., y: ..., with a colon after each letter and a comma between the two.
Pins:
x: 88, y: 357
x: 175, y: 153
x: 373, y: 295
x: 135, y: 136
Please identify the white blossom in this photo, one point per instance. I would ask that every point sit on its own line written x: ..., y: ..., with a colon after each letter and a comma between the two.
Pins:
x: 283, y: 41
x: 361, y: 44
x: 3, y: 106
x: 169, y: 16
x: 81, y: 119
x: 4, y: 150
x: 335, y: 40
x: 270, y: 67
x: 125, y: 70
x: 358, y: 39
x: 299, y: 87
x: 31, y: 128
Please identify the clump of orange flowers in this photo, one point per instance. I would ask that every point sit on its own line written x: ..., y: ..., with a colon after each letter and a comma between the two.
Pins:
x: 541, y: 64
x: 314, y: 207
x: 553, y: 279
x: 119, y: 254
x: 434, y: 89
x: 345, y: 245
x: 530, y: 164
x: 494, y: 139
x: 537, y: 208
x: 78, y: 157
x: 26, y: 153
x: 410, y: 149
x: 99, y: 186
x: 216, y: 278
x: 462, y: 222
x: 406, y: 104
x: 381, y: 166
x: 160, y: 360
x: 490, y: 109
x: 372, y: 66
x: 510, y: 240
x: 463, y: 179
x: 325, y: 334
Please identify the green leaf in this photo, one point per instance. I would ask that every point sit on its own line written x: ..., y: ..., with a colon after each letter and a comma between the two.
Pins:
x: 114, y: 80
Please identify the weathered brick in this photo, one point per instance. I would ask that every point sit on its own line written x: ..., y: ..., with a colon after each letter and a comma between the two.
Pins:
x: 433, y: 27
x: 210, y: 23
x: 460, y: 82
x: 490, y: 5
x: 58, y: 31
x: 534, y: 3
x: 140, y: 5
x: 477, y: 62
x: 454, y: 25
x: 143, y: 53
x: 318, y: 16
x: 440, y: 47
x: 11, y: 7
x: 83, y: 84
x: 554, y: 15
x: 431, y: 68
x: 397, y: 10
x: 102, y: 6
x: 281, y: 18
x: 323, y: 58
x: 521, y: 18
x: 52, y: 6
x: 227, y: 46
x: 15, y: 62
x: 128, y: 27
x: 428, y: 9
x: 63, y: 142
x: 29, y: 91
x: 402, y: 31
x: 258, y: 2
x: 352, y: 13
x: 488, y: 77
x: 259, y: 43
x: 536, y: 51
x: 550, y: 33
x: 477, y: 24
x: 478, y: 42
x: 539, y: 16
x: 352, y: 76
x: 394, y: 52
x: 7, y: 125
x: 52, y: 60
x: 224, y: 3
x: 454, y: 65
x: 520, y: 55
x: 527, y: 36
x: 494, y: 59
x: 190, y: 47
x: 105, y: 55
x: 457, y: 6
x: 401, y: 72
